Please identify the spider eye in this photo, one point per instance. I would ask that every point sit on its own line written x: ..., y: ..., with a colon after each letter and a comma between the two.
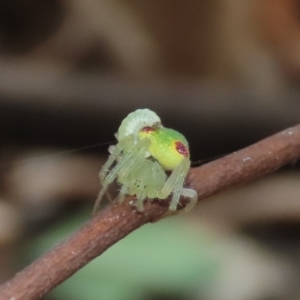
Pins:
x: 182, y: 149
x: 147, y: 129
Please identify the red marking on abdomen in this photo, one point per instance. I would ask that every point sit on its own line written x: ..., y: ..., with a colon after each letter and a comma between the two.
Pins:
x: 182, y: 149
x: 147, y: 129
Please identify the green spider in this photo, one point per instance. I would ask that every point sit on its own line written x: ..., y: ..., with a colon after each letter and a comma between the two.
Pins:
x: 145, y: 154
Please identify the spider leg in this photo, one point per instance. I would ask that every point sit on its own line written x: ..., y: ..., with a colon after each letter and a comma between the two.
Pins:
x: 128, y: 162
x: 192, y: 194
x: 174, y: 183
x: 122, y: 194
x: 123, y: 167
x: 115, y: 153
x: 177, y: 191
x: 139, y: 204
x: 107, y: 194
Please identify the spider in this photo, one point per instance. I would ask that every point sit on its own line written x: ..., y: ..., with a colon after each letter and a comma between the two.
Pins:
x: 143, y: 158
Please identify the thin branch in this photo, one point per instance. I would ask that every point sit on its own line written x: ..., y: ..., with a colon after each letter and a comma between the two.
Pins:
x: 118, y: 220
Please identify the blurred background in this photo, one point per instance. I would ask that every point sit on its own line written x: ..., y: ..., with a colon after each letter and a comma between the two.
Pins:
x: 225, y: 73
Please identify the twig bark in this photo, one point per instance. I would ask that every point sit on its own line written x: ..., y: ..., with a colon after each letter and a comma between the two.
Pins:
x: 118, y: 220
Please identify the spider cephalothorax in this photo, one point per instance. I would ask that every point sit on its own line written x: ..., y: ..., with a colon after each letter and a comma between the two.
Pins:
x: 145, y: 152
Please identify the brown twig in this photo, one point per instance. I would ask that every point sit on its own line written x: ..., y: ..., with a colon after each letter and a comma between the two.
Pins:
x: 118, y: 220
